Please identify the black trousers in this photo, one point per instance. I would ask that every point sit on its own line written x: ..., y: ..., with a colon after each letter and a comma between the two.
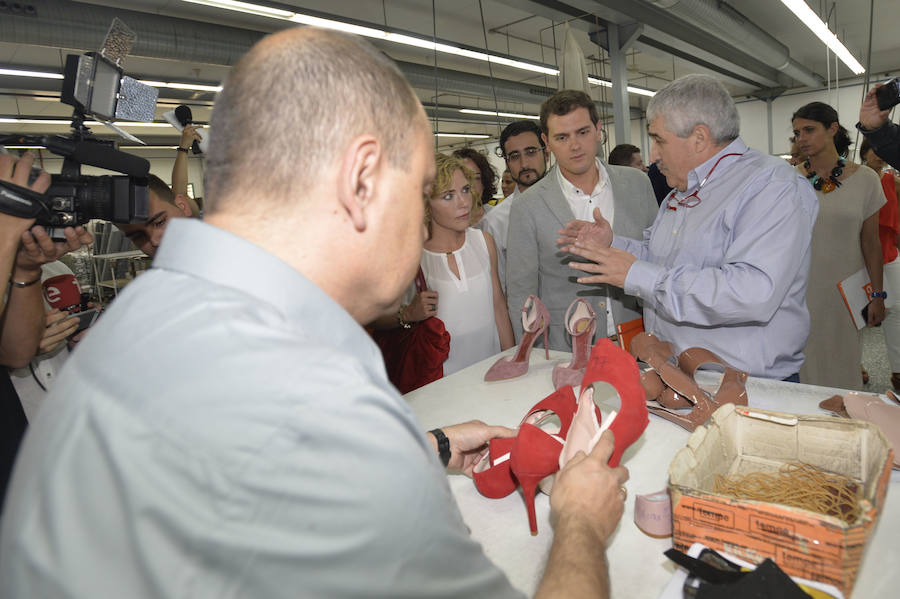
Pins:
x: 12, y: 429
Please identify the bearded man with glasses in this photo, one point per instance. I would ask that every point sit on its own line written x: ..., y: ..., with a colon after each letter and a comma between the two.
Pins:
x: 526, y: 161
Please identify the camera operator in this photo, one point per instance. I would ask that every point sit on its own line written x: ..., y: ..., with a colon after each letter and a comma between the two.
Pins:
x: 882, y: 134
x: 23, y: 249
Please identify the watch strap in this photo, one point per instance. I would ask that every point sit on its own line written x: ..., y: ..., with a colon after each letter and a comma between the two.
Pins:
x: 443, y: 444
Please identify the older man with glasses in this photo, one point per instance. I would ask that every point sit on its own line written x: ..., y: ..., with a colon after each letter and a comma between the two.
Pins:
x: 725, y: 265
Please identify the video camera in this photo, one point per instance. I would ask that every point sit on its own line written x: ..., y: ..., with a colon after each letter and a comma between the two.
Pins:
x: 96, y: 86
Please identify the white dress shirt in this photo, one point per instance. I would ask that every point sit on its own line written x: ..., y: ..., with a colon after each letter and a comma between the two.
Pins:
x: 583, y: 206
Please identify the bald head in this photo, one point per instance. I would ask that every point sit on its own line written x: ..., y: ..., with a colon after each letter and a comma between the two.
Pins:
x: 290, y: 107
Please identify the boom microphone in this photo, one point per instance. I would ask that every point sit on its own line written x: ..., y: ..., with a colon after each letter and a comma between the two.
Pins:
x: 110, y: 158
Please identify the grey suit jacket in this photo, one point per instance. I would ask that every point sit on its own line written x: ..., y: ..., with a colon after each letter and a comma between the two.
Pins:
x: 536, y: 266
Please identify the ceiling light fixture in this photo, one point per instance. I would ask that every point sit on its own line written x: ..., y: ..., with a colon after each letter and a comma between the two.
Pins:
x: 512, y: 115
x: 817, y: 26
x: 469, y: 135
x: 23, y: 73
x: 26, y: 121
x: 631, y: 89
x: 189, y: 86
x: 169, y: 84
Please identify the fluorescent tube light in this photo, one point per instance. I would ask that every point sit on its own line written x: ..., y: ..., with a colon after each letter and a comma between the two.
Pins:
x: 512, y: 115
x: 817, y: 26
x: 470, y: 135
x: 18, y: 121
x: 189, y: 86
x: 253, y: 9
x: 22, y: 73
x: 631, y: 89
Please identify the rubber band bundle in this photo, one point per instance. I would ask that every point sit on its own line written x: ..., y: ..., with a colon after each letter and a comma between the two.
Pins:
x: 797, y: 485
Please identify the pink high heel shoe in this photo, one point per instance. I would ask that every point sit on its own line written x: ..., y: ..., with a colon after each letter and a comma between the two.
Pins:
x: 535, y: 452
x: 535, y: 320
x: 581, y: 322
x: 610, y: 364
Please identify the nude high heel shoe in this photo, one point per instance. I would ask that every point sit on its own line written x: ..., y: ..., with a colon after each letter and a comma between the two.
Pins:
x: 581, y: 322
x: 535, y: 320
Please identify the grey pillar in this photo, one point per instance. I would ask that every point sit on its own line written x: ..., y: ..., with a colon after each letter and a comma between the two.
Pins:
x: 618, y: 39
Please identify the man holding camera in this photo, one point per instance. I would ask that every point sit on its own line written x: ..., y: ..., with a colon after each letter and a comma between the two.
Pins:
x: 23, y: 249
x: 873, y: 121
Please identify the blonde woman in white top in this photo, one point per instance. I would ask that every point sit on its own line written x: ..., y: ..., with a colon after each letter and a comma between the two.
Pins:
x: 460, y: 264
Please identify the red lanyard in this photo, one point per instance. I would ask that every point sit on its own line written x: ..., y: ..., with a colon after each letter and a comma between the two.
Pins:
x: 687, y: 202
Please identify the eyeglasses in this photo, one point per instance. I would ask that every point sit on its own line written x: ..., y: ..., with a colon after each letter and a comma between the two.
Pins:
x: 530, y: 152
x: 693, y: 199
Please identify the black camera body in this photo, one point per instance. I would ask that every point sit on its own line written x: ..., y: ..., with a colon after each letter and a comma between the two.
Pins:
x: 77, y: 200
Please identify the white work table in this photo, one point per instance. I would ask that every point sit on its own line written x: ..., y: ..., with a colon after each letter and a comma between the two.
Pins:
x: 638, y: 568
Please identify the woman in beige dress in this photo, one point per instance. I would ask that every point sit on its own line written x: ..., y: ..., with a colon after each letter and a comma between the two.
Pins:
x: 845, y: 240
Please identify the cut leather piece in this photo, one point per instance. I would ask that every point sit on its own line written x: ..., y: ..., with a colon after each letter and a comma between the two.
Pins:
x: 689, y: 420
x: 868, y: 407
x: 835, y: 405
x: 732, y: 388
x: 651, y: 383
x: 646, y: 347
x: 653, y: 514
x: 893, y: 397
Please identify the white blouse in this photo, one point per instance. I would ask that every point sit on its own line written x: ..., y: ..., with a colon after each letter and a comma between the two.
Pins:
x: 465, y: 304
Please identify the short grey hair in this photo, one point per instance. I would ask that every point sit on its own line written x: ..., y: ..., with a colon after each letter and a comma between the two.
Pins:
x: 290, y: 106
x: 696, y: 100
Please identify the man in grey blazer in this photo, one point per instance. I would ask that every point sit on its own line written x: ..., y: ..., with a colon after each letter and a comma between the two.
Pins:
x: 578, y: 184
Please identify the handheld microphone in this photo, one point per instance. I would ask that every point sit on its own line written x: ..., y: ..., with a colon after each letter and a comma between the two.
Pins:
x: 186, y: 117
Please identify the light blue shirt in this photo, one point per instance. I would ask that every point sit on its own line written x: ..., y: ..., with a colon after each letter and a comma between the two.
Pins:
x: 227, y: 430
x: 730, y: 274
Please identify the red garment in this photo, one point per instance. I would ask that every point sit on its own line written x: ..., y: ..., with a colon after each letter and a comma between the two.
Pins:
x: 889, y: 219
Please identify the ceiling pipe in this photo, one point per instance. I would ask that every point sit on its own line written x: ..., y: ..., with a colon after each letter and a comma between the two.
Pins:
x: 725, y: 22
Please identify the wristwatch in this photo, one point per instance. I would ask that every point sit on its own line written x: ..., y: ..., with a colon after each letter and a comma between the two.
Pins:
x: 443, y: 444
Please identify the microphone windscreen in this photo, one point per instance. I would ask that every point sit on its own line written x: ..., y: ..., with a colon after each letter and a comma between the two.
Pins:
x: 110, y: 158
x: 62, y: 292
x: 184, y: 115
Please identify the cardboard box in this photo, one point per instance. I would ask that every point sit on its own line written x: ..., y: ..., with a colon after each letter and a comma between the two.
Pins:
x: 741, y: 440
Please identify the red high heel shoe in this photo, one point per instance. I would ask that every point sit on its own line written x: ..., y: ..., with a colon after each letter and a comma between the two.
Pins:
x: 581, y: 322
x: 535, y: 451
x: 608, y: 363
x: 492, y: 475
x: 535, y: 320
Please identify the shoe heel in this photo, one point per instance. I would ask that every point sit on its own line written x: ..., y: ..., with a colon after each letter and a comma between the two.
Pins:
x: 529, y: 487
x: 535, y: 319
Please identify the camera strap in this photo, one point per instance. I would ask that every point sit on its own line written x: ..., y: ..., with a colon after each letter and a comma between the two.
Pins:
x: 21, y: 201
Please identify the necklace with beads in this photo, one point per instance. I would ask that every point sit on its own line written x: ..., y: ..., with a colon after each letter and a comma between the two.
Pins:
x: 829, y: 184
